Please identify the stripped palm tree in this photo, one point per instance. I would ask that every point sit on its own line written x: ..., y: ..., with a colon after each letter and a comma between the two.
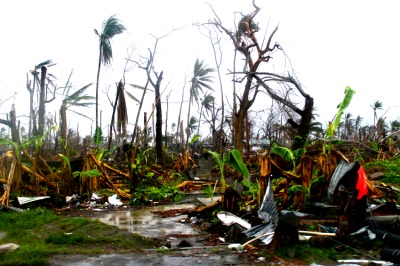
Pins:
x: 122, y: 112
x: 192, y: 124
x: 201, y: 78
x: 75, y: 99
x: 378, y: 105
x: 206, y: 104
x: 32, y: 90
x: 357, y: 127
x: 348, y: 125
x: 110, y: 28
x: 357, y: 122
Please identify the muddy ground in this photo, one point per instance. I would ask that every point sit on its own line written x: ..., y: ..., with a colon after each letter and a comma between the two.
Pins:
x: 211, y: 251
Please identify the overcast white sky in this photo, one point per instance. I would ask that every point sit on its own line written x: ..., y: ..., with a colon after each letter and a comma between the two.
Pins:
x: 331, y: 44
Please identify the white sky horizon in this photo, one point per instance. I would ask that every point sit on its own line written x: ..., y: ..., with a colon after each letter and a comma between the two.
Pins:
x: 330, y: 44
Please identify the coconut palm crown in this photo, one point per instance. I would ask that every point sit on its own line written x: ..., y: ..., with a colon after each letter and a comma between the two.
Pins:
x: 110, y: 28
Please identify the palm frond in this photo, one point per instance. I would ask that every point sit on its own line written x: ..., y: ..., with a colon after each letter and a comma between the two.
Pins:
x: 139, y: 87
x: 77, y: 96
x: 45, y: 63
x: 77, y: 113
x: 136, y: 86
x: 200, y: 80
x: 110, y: 28
x: 106, y: 51
x: 132, y: 97
x: 80, y: 104
x: 67, y: 84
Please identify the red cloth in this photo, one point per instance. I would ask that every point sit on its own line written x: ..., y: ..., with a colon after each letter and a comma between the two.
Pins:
x: 361, y: 185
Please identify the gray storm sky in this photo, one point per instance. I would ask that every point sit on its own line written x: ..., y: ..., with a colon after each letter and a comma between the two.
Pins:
x: 330, y: 44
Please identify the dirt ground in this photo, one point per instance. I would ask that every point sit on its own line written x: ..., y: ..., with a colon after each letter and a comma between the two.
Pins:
x: 213, y: 253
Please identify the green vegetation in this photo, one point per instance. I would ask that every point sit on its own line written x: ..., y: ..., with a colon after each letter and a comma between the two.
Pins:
x: 210, y: 191
x: 234, y: 160
x: 40, y: 233
x: 147, y: 194
x: 253, y: 188
x: 390, y: 167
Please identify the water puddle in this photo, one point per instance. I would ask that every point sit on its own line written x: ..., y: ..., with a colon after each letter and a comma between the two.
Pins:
x: 146, y: 222
x: 149, y: 224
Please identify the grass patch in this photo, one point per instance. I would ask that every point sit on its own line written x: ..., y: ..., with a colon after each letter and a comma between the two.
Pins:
x: 390, y: 168
x: 40, y: 234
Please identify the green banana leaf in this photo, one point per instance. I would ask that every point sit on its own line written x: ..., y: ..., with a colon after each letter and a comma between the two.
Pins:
x: 342, y: 106
x: 234, y: 159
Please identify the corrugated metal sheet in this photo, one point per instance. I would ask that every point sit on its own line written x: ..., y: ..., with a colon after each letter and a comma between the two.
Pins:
x: 25, y: 200
x: 341, y: 169
x: 269, y: 213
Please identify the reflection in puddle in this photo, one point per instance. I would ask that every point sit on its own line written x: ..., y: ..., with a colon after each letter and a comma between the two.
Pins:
x: 148, y: 224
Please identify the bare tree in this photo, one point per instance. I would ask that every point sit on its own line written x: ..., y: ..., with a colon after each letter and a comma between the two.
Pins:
x: 245, y: 42
x: 148, y: 66
x: 11, y: 122
x: 279, y: 87
x: 299, y: 118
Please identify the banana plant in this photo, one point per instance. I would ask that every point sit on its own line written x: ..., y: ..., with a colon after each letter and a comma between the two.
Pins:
x: 332, y: 126
x: 37, y: 141
x: 83, y: 176
x: 231, y: 158
x: 288, y: 154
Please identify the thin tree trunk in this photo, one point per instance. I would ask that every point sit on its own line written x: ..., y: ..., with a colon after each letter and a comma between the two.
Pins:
x: 31, y: 110
x: 182, y: 135
x: 97, y: 86
x: 42, y: 100
x: 153, y: 126
x: 113, y: 118
x: 145, y: 139
x: 158, y: 130
x: 63, y: 117
x: 247, y: 136
x: 188, y: 123
x: 178, y: 126
x: 219, y: 138
x: 13, y: 123
x: 201, y: 111
x: 166, y: 125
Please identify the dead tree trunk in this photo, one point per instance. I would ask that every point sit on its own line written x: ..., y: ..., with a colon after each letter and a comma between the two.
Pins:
x: 42, y: 100
x: 246, y: 42
x: 159, y: 150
